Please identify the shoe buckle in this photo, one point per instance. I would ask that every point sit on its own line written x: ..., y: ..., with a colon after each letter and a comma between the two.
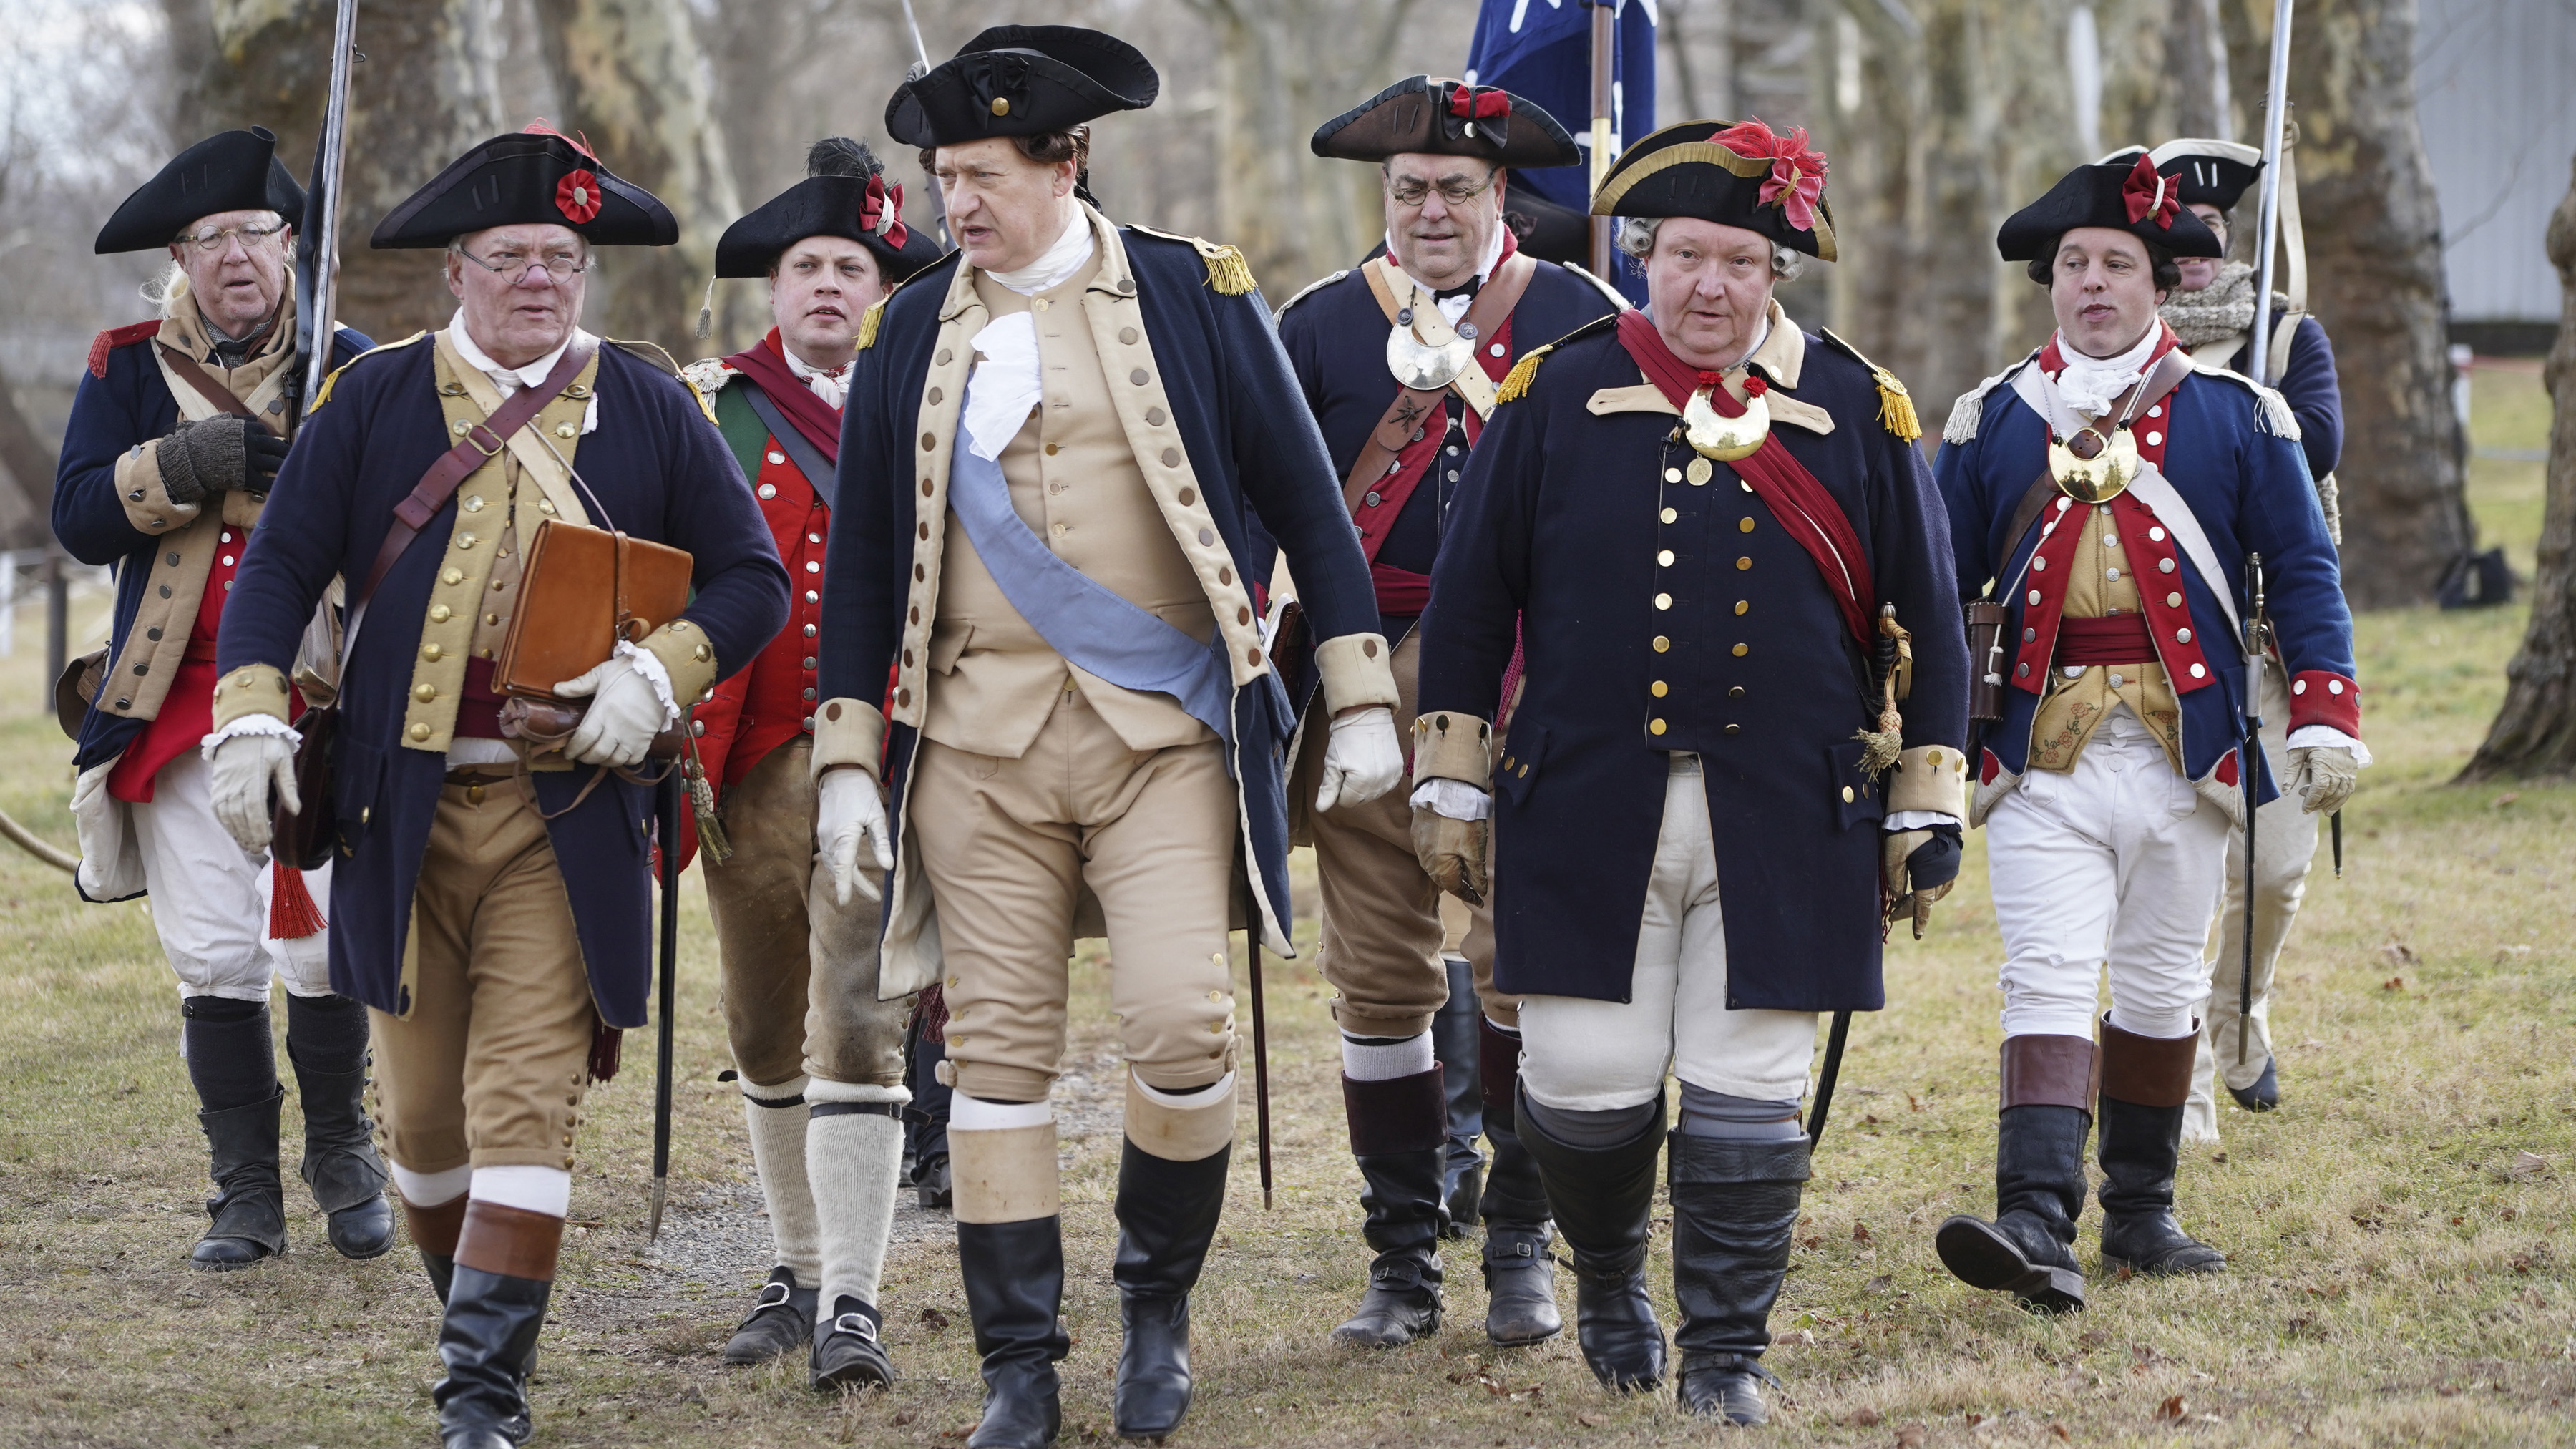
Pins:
x: 855, y: 1323
x: 766, y: 1300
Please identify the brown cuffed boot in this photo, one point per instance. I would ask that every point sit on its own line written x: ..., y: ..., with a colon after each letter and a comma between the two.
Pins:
x: 2145, y: 1083
x: 434, y: 1232
x: 2029, y: 1249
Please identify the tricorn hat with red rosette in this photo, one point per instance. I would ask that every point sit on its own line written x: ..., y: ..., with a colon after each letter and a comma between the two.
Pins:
x: 535, y: 175
x: 844, y: 194
x: 2127, y: 194
x: 1447, y: 118
x: 1741, y: 174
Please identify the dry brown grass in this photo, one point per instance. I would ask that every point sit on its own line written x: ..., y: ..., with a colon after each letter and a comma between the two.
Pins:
x: 2400, y: 1268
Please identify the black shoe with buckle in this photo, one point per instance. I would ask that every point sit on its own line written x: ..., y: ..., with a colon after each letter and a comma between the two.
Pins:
x: 847, y: 1352
x: 780, y: 1320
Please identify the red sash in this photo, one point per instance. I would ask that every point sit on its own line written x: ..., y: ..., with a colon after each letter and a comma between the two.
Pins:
x: 767, y: 367
x: 1801, y: 504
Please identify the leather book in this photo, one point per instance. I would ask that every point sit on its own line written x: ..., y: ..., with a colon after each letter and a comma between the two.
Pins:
x: 583, y: 590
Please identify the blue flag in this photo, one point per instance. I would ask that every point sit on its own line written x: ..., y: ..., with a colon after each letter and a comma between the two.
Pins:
x: 1541, y: 51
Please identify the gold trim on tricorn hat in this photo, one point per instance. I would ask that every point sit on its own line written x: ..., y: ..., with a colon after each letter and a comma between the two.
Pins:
x: 1735, y: 174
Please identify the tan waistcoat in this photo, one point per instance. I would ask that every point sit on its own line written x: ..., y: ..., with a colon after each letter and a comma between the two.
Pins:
x: 1075, y: 482
x: 2077, y: 703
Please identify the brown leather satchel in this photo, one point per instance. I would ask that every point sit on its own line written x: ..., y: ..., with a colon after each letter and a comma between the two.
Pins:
x: 303, y: 838
x: 584, y: 590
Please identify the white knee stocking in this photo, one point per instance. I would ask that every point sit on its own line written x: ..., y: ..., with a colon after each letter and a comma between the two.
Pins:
x: 853, y: 1159
x: 778, y: 1148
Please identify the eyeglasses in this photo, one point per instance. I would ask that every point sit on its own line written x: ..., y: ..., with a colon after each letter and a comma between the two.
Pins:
x: 561, y: 266
x: 252, y: 237
x: 1457, y: 191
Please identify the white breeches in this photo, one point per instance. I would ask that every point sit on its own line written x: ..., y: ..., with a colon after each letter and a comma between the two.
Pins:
x: 2116, y: 860
x: 1594, y: 1056
x: 210, y: 901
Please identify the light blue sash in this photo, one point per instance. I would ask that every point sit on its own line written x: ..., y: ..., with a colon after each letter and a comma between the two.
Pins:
x: 1091, y: 626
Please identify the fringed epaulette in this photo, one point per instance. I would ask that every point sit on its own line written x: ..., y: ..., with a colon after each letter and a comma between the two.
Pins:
x: 709, y: 375
x: 1895, y: 405
x: 1618, y: 299
x: 1310, y: 289
x: 114, y: 338
x: 1516, y: 383
x: 1227, y: 271
x: 870, y: 321
x: 324, y: 395
x: 1970, y: 409
x: 2272, y: 411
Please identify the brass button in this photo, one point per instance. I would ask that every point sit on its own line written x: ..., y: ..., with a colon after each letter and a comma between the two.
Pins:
x: 1743, y: 604
x: 1735, y: 692
x: 439, y: 613
x: 565, y: 430
x: 1050, y: 450
x: 702, y: 653
x: 1744, y: 526
x: 474, y: 504
x: 473, y: 794
x: 466, y: 540
x: 1664, y: 558
x: 418, y: 732
x: 1663, y: 601
x: 1847, y: 794
x: 1654, y: 726
x: 1732, y: 729
x: 460, y: 426
x: 1744, y: 563
x: 1001, y: 105
x: 1740, y: 650
x: 1669, y: 515
x: 1658, y: 689
x: 431, y: 652
x: 1672, y: 475
x: 1662, y: 643
x: 545, y: 505
x: 424, y: 692
x: 452, y: 576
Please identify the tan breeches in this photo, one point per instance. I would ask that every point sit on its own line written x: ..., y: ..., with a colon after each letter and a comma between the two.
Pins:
x: 799, y: 968
x: 1386, y: 925
x: 490, y: 1066
x: 1009, y: 847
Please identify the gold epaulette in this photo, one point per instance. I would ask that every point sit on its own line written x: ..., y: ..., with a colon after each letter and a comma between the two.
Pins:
x: 1227, y: 271
x: 869, y: 320
x: 1516, y: 383
x: 324, y: 395
x: 1895, y: 405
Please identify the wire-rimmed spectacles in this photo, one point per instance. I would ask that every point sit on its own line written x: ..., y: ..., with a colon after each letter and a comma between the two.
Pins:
x: 561, y: 266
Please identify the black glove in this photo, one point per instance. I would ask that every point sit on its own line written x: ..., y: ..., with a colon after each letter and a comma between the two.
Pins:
x: 1935, y: 863
x: 213, y: 454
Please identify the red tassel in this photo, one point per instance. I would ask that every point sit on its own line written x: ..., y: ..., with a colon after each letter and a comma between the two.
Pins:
x: 291, y: 911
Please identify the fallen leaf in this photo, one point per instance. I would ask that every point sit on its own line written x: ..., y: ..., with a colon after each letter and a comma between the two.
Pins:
x: 2124, y: 1275
x: 2507, y: 798
x: 2393, y: 983
x: 1590, y: 1421
x: 1911, y: 1104
x: 1869, y: 1119
x: 1860, y: 1231
x: 932, y: 1318
x: 1879, y: 1284
x: 2060, y: 1431
x: 2171, y: 1411
x: 2526, y: 1166
x: 2397, y: 953
x: 1863, y: 1417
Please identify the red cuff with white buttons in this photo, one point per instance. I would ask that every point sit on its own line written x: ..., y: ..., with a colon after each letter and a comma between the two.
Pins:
x: 2318, y: 697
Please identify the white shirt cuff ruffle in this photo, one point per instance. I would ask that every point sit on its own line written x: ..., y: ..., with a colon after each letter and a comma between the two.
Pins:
x: 1918, y: 820
x: 2327, y: 737
x: 650, y: 666
x: 1455, y: 799
x: 250, y: 724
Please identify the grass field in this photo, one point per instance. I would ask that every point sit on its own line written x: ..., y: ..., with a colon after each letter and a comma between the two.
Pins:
x: 2402, y: 1269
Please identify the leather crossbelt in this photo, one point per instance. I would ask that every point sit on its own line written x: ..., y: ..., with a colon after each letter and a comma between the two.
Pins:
x: 204, y: 382
x: 1493, y: 302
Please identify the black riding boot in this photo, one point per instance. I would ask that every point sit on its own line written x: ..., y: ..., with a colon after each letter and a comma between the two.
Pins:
x: 488, y: 1337
x: 2145, y: 1082
x: 1603, y: 1199
x: 2029, y: 1249
x: 1734, y: 1207
x: 434, y: 1231
x: 1520, y: 1276
x: 234, y: 1071
x: 1400, y: 1133
x: 1454, y: 1040
x: 327, y: 1042
x: 1014, y: 1275
x: 925, y: 1122
x: 1167, y: 1215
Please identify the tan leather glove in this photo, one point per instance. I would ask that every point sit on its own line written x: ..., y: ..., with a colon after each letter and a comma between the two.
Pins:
x: 2323, y: 776
x: 1920, y: 868
x: 1453, y: 852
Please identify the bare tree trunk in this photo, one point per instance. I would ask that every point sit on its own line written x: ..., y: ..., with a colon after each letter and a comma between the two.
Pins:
x: 25, y: 519
x: 425, y: 94
x: 629, y: 72
x: 2535, y: 732
x: 2375, y: 261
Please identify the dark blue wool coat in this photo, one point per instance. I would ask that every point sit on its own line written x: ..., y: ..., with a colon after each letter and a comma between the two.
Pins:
x: 1560, y: 529
x: 1251, y: 445
x: 659, y: 470
x: 2313, y: 391
x: 110, y: 415
x: 2249, y: 489
x: 1336, y: 341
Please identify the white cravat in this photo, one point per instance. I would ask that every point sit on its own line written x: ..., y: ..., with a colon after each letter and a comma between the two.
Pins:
x: 511, y: 379
x: 832, y: 384
x: 2090, y: 383
x: 1057, y: 262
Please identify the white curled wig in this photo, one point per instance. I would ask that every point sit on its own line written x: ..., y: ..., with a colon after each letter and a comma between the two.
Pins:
x: 1635, y: 238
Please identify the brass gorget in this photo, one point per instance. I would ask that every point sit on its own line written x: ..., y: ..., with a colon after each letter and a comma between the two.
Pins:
x: 2091, y: 467
x: 1726, y: 439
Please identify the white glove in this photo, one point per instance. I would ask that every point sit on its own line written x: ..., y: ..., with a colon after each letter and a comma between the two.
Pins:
x: 243, y: 768
x: 1362, y: 759
x: 2323, y: 776
x: 846, y: 808
x: 626, y: 712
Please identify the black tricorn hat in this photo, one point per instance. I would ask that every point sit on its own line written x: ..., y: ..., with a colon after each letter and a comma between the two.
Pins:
x: 1447, y: 118
x: 1021, y: 80
x: 1735, y: 174
x: 228, y: 171
x: 844, y: 194
x: 536, y: 175
x: 2212, y: 173
x: 2128, y: 194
